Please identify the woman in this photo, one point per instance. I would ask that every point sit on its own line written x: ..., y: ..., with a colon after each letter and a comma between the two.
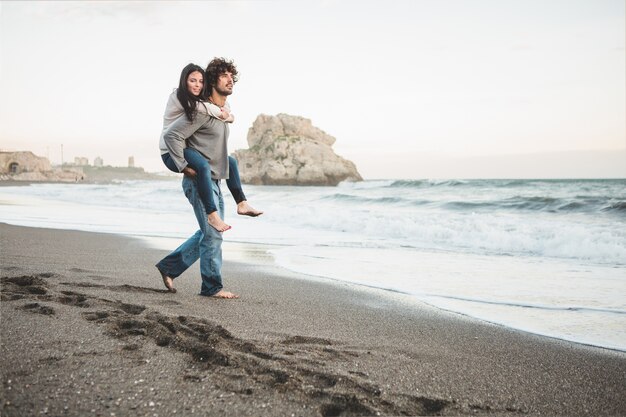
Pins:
x: 186, y: 101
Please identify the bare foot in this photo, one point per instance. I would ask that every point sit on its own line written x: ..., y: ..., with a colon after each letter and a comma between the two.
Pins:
x: 169, y: 282
x: 225, y: 294
x: 217, y: 223
x: 245, y: 209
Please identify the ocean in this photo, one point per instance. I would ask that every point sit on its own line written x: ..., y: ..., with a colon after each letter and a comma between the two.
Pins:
x: 542, y: 256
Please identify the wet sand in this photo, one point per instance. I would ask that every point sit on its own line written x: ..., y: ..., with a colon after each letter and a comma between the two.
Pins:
x: 87, y: 328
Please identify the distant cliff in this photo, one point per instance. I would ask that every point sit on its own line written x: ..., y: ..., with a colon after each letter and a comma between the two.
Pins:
x: 25, y: 166
x: 289, y: 150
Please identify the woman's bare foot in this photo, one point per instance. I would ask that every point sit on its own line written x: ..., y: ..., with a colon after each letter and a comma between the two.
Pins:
x: 169, y: 282
x: 245, y: 209
x: 225, y: 294
x: 217, y: 223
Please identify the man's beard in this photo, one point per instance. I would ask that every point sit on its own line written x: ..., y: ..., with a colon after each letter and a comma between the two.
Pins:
x: 223, y: 92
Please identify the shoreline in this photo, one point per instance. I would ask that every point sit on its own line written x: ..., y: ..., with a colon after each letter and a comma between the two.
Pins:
x: 87, y: 312
x: 253, y: 252
x: 334, y: 272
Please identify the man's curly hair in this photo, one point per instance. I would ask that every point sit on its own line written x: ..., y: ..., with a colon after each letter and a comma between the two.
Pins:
x: 217, y: 67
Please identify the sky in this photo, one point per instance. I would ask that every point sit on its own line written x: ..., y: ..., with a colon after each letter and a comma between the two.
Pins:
x: 410, y: 89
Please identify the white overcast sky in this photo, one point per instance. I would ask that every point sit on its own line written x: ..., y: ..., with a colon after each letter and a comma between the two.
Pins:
x: 420, y: 88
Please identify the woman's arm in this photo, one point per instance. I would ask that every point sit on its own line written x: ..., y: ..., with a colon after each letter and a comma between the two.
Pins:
x: 176, y: 134
x: 230, y: 118
x: 219, y: 113
x: 174, y: 109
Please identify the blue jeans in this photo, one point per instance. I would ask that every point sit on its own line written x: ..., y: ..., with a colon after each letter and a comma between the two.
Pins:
x: 199, y: 163
x: 234, y: 182
x: 205, y: 244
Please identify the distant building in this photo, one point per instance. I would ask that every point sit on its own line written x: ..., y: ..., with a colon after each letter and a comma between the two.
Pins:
x: 131, y: 162
x: 97, y: 161
x: 18, y: 162
x: 81, y: 161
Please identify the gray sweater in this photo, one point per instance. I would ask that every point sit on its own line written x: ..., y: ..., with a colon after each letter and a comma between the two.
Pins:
x: 174, y: 110
x: 207, y: 135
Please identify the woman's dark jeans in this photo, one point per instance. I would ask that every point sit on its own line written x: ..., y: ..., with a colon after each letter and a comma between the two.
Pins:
x: 199, y: 163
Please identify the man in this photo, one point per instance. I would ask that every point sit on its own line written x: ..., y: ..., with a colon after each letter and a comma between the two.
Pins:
x: 209, y: 136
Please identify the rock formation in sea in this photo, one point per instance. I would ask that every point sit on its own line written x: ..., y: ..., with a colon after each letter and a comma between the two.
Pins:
x: 289, y: 150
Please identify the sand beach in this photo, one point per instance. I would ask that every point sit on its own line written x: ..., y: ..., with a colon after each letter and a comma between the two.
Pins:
x: 88, y: 329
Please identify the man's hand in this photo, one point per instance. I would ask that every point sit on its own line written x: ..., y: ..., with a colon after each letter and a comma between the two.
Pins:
x: 189, y: 172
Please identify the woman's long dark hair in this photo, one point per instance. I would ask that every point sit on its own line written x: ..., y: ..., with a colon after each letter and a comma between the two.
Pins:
x: 188, y: 101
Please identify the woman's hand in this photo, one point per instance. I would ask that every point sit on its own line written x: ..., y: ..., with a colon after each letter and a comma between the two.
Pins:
x: 189, y: 172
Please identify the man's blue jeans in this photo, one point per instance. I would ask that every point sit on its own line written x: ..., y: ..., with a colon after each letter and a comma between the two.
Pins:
x: 205, y: 244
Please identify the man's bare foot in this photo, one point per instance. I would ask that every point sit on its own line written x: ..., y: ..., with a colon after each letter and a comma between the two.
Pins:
x: 225, y: 294
x: 245, y: 209
x: 169, y: 282
x: 217, y: 223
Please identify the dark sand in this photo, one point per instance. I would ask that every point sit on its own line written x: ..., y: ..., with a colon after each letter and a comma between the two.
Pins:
x: 88, y: 330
